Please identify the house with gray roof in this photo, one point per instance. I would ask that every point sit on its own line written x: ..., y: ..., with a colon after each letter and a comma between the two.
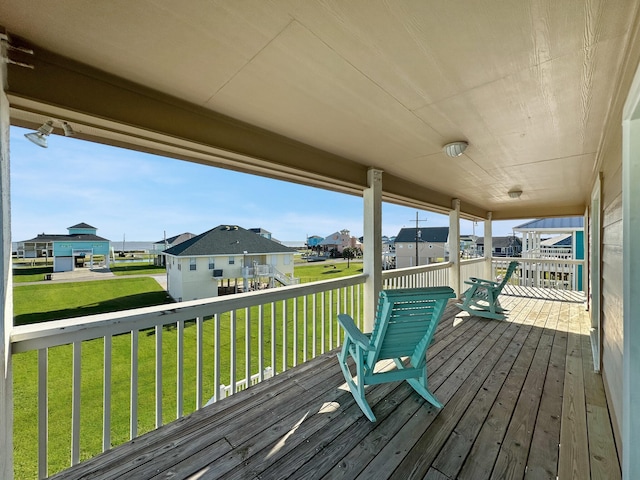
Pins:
x: 67, y: 251
x: 199, y: 267
x: 421, y: 246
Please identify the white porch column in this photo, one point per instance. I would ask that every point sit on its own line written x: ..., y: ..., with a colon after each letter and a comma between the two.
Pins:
x: 372, y: 255
x: 488, y: 246
x: 454, y: 245
x: 6, y: 287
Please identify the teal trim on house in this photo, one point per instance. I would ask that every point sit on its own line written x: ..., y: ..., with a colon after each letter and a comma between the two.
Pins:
x: 68, y: 248
x: 579, y: 249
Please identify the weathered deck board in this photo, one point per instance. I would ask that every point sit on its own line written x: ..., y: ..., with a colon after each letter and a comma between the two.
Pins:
x: 511, y: 390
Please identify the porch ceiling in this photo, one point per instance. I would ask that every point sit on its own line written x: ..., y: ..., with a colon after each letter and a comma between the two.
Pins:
x: 318, y: 91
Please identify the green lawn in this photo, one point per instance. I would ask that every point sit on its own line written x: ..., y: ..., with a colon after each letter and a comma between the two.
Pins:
x: 48, y: 301
x: 316, y: 271
x: 23, y: 274
x: 136, y: 268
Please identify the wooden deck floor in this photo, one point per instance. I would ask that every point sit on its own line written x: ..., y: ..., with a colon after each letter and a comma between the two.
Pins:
x: 520, y: 400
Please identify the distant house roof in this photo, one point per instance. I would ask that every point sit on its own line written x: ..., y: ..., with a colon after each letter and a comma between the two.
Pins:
x: 176, y: 239
x: 501, y: 242
x: 565, y: 240
x: 83, y: 225
x: 427, y: 234
x: 550, y: 224
x: 74, y: 237
x: 227, y: 240
x: 336, y: 238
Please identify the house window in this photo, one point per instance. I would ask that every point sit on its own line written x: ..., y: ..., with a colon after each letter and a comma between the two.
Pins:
x: 212, y: 263
x: 287, y: 259
x: 180, y: 266
x: 192, y: 263
x: 232, y: 260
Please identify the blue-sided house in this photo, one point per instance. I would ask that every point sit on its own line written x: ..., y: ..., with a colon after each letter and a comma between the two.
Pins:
x: 77, y: 248
x: 559, y: 238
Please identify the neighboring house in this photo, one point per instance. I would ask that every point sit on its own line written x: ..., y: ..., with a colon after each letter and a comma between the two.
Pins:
x: 509, y: 246
x: 339, y: 241
x: 263, y: 233
x: 556, y: 238
x: 68, y: 251
x: 198, y: 267
x: 162, y: 245
x: 314, y: 241
x: 431, y: 244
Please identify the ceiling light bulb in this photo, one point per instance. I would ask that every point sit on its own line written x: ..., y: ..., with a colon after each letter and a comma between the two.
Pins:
x: 40, y: 137
x: 515, y: 193
x: 455, y: 149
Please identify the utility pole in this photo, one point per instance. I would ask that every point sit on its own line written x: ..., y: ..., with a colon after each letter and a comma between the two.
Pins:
x: 418, y: 237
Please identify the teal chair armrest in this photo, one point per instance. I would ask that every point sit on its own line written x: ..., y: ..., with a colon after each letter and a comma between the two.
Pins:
x: 481, y: 282
x: 353, y: 332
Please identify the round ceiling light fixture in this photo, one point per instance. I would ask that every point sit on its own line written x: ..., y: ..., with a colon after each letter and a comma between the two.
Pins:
x: 455, y: 149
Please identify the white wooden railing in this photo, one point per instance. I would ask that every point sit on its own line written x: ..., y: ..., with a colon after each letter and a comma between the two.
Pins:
x: 213, y: 345
x: 431, y: 275
x: 196, y: 346
x: 558, y: 274
x: 473, y: 267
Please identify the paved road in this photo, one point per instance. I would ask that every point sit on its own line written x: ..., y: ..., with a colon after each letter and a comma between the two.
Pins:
x: 86, y: 274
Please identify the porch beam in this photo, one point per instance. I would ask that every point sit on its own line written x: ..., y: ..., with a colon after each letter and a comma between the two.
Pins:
x: 372, y: 245
x: 6, y: 287
x: 454, y: 245
x: 118, y: 112
x: 488, y: 246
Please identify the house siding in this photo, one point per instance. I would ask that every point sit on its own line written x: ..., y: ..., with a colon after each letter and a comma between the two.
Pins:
x: 612, y: 282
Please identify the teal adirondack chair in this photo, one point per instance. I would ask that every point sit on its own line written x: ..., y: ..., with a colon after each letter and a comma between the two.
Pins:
x: 481, y: 298
x: 405, y: 322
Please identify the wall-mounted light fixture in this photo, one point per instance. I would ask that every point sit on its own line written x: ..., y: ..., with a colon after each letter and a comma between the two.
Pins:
x: 68, y: 131
x: 515, y: 193
x: 455, y: 149
x: 39, y: 137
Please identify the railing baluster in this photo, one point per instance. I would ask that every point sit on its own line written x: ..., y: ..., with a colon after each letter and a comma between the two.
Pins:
x: 322, y: 335
x: 314, y: 335
x: 216, y: 357
x: 274, y: 364
x: 232, y: 353
x: 199, y: 327
x: 43, y: 413
x: 247, y: 343
x: 285, y: 347
x: 304, y: 328
x: 106, y: 395
x: 179, y: 368
x: 75, y: 403
x: 133, y: 417
x: 295, y: 331
x: 330, y: 319
x: 158, y: 331
x: 260, y: 343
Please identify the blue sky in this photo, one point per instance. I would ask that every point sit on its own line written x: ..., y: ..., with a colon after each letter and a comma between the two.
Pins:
x: 140, y: 196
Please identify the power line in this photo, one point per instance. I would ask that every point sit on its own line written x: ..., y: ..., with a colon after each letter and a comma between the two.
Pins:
x: 418, y: 236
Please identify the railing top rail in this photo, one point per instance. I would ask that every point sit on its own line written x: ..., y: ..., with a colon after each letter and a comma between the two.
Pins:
x: 468, y: 261
x: 567, y: 261
x: 401, y: 272
x: 61, y: 332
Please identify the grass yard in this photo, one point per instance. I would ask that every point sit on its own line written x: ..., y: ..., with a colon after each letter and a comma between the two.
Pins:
x: 39, y: 303
x: 24, y: 274
x: 48, y: 301
x: 316, y: 271
x: 136, y: 268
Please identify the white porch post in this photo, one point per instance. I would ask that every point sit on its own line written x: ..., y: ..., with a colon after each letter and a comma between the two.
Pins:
x: 631, y: 289
x: 6, y: 290
x: 454, y: 245
x: 488, y: 246
x: 372, y: 255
